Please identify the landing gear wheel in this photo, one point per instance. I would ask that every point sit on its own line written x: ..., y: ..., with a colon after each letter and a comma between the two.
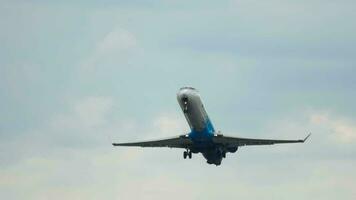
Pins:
x: 185, y: 154
x: 224, y: 154
x: 185, y: 110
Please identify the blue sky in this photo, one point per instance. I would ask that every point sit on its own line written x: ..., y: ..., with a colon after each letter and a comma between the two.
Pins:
x: 75, y: 76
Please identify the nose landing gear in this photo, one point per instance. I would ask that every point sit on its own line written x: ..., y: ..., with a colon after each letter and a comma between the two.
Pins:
x: 185, y: 110
x: 188, y: 154
x: 185, y: 102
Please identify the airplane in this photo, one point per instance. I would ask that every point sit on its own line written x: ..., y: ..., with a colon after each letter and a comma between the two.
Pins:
x: 203, y: 138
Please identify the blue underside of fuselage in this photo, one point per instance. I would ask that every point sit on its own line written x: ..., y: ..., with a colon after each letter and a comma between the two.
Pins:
x: 203, y: 143
x: 203, y: 139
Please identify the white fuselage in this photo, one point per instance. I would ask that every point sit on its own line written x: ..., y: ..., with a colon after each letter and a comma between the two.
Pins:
x: 193, y: 109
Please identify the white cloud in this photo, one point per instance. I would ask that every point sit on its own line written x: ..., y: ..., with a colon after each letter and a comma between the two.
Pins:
x: 92, y: 173
x: 93, y: 110
x: 319, y: 118
x: 85, y: 124
x: 341, y: 129
x: 326, y: 128
x: 122, y: 173
x: 169, y: 125
x: 116, y: 48
x: 68, y: 156
x: 117, y: 41
x: 86, y: 113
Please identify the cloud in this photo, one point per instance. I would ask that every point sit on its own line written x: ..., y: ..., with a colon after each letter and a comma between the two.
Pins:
x: 58, y: 163
x: 105, y: 172
x: 88, y: 112
x: 117, y: 47
x: 84, y: 124
x: 66, y: 153
x: 277, y: 29
x: 341, y: 129
x: 169, y: 125
x: 117, y: 41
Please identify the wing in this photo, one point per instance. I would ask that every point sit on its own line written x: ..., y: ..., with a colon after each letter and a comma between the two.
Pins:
x: 236, y: 141
x: 181, y: 141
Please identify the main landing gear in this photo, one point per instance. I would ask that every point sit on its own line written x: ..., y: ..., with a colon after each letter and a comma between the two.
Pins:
x: 224, y: 154
x: 187, y: 153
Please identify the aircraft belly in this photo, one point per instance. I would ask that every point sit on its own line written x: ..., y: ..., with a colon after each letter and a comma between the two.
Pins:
x: 213, y: 156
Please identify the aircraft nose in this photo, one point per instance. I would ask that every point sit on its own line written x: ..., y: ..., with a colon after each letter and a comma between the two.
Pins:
x: 186, y: 91
x: 180, y: 92
x: 181, y: 96
x: 183, y: 93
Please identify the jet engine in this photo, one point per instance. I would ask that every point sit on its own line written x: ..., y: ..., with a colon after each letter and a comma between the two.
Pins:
x: 231, y: 149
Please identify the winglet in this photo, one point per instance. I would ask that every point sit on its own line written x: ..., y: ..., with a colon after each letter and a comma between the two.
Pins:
x: 305, y: 139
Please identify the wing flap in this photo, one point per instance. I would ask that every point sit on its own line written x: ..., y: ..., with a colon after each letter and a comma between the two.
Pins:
x: 181, y: 141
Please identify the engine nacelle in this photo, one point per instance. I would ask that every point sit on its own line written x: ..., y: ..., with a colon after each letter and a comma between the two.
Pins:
x: 231, y: 149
